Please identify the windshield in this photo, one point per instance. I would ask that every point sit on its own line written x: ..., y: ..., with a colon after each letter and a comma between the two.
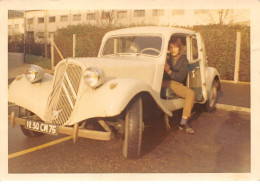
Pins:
x: 128, y: 45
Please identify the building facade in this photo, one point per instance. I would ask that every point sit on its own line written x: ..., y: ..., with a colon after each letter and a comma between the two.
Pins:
x: 40, y: 24
x: 15, y: 24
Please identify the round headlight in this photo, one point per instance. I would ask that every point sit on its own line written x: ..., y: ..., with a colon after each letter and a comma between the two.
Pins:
x: 94, y: 77
x: 34, y: 73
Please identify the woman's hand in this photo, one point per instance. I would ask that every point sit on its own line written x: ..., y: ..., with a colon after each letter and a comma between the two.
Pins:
x: 167, y: 68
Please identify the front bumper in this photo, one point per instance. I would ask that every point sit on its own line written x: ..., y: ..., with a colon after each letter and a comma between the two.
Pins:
x: 74, y: 131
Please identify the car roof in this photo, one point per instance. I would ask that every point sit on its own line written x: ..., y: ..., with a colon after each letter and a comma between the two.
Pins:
x: 151, y: 29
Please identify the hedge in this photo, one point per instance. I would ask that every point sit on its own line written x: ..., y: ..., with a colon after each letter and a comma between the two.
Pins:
x: 88, y: 40
x: 220, y: 43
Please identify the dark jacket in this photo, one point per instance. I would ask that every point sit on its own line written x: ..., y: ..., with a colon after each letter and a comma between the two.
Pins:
x: 179, y: 70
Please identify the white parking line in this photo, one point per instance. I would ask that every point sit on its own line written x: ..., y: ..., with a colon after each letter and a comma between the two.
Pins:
x: 13, y: 155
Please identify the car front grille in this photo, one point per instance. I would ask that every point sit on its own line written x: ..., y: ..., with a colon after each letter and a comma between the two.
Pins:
x: 64, y: 96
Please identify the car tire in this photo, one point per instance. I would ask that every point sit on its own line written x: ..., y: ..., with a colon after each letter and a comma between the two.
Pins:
x: 133, y: 130
x: 210, y: 105
x: 29, y: 133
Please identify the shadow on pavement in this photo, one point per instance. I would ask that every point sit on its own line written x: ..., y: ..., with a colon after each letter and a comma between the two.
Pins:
x: 156, y: 133
x: 233, y: 138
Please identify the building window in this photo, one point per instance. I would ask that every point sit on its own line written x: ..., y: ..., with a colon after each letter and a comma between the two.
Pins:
x: 139, y: 13
x: 64, y: 18
x: 22, y: 25
x: 40, y: 20
x: 121, y: 14
x: 105, y: 15
x: 91, y: 16
x: 51, y: 19
x: 9, y: 28
x: 201, y: 11
x: 178, y: 12
x: 14, y: 13
x: 30, y: 21
x: 16, y: 26
x: 158, y: 12
x: 40, y: 34
x: 77, y: 17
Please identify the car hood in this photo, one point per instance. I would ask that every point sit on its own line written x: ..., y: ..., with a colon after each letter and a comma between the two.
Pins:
x: 121, y: 67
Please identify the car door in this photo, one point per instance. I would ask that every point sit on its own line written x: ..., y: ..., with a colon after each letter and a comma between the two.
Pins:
x: 196, y: 68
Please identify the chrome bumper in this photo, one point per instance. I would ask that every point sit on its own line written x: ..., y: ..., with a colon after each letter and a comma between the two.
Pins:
x: 74, y: 131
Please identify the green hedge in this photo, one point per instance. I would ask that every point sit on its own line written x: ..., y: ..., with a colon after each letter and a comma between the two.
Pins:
x: 88, y: 40
x: 219, y: 41
x: 16, y: 43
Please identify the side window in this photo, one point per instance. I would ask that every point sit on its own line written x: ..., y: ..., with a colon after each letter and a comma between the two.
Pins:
x: 194, y: 49
x: 113, y: 46
x: 109, y: 48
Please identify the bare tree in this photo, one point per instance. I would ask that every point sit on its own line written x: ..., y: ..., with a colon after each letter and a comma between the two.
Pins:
x: 106, y: 17
x: 227, y: 16
x: 29, y: 38
x: 223, y: 16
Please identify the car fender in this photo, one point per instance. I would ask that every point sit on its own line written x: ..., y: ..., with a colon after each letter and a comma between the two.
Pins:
x: 211, y: 73
x: 111, y: 98
x: 32, y: 96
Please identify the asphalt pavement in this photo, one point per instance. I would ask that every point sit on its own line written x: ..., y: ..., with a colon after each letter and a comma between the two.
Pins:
x: 221, y: 144
x: 235, y: 94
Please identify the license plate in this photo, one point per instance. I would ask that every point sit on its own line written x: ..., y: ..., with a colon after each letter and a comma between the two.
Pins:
x: 41, y: 127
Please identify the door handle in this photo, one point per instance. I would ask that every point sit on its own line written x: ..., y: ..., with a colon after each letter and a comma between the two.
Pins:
x: 193, y: 74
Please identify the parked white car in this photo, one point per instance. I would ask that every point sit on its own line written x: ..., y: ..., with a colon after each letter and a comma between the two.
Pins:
x: 96, y: 97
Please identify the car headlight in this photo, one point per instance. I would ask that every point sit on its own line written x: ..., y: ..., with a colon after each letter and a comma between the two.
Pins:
x: 34, y: 73
x: 94, y: 77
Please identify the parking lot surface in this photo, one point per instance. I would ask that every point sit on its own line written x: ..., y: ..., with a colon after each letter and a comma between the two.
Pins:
x: 221, y: 144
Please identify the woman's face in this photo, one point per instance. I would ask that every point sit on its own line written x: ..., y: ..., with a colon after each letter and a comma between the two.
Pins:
x: 174, y: 50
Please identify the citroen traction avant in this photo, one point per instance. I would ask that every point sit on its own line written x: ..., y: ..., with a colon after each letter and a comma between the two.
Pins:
x: 98, y: 97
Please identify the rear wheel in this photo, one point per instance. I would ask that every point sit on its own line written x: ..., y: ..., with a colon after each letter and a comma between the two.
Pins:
x: 29, y: 133
x: 133, y: 130
x: 212, y: 99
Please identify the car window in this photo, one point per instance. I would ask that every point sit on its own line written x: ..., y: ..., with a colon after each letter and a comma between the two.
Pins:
x: 194, y: 49
x: 149, y: 45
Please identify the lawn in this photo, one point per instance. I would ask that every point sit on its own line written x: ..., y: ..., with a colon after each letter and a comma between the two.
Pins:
x: 38, y: 60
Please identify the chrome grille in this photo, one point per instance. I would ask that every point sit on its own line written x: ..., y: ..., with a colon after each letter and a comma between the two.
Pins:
x: 64, y: 100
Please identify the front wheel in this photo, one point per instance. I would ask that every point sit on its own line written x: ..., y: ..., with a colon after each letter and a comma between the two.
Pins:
x: 212, y: 99
x: 133, y: 130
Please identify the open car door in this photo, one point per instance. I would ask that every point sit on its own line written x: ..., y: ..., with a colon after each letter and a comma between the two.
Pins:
x: 196, y: 70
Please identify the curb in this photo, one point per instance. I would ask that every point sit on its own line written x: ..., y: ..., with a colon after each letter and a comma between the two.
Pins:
x: 239, y: 82
x: 233, y: 108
